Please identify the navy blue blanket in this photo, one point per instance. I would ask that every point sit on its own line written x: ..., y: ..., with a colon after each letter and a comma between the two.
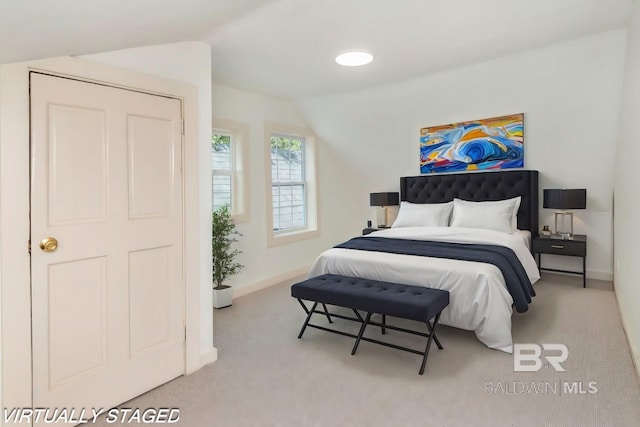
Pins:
x: 502, y: 257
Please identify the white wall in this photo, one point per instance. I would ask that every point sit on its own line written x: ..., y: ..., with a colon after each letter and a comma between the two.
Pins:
x: 570, y: 94
x: 264, y: 265
x: 188, y: 62
x: 627, y: 202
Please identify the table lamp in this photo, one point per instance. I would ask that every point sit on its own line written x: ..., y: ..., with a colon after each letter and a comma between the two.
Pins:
x: 383, y: 200
x: 564, y: 200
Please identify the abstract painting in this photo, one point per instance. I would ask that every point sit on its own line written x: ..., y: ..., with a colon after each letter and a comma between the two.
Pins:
x: 494, y: 143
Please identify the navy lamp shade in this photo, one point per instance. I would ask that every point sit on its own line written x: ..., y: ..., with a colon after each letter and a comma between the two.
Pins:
x: 565, y: 200
x: 383, y: 200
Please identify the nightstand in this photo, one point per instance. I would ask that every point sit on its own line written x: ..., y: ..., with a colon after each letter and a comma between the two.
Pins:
x: 549, y: 245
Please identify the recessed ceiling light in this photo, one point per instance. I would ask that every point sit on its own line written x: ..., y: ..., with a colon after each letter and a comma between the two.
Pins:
x: 354, y: 58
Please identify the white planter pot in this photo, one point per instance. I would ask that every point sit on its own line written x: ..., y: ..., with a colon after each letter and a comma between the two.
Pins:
x: 222, y: 297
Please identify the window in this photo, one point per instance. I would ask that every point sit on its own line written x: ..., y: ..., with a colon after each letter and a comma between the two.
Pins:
x: 292, y: 201
x: 228, y: 168
x: 287, y: 182
x: 222, y: 166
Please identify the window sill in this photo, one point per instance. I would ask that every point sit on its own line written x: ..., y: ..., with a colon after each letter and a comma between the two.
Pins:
x: 278, y: 239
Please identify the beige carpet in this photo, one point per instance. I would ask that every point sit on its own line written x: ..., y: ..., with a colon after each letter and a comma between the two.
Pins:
x: 265, y: 376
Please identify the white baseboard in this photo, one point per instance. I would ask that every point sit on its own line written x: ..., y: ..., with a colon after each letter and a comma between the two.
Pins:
x: 591, y: 274
x: 600, y: 275
x: 208, y: 357
x: 635, y: 355
x: 262, y: 284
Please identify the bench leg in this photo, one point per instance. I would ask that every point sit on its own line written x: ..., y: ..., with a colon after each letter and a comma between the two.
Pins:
x: 433, y: 333
x: 432, y: 337
x: 326, y: 313
x: 304, y: 307
x: 359, y: 337
x: 384, y: 324
x: 306, y: 321
x: 306, y: 310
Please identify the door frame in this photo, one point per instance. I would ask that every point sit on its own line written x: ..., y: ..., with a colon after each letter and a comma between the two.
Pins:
x: 15, y: 268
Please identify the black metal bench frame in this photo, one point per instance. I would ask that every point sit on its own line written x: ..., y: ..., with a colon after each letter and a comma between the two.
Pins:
x: 431, y: 335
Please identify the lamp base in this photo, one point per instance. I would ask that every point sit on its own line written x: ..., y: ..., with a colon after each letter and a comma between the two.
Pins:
x: 561, y: 230
x: 382, y: 217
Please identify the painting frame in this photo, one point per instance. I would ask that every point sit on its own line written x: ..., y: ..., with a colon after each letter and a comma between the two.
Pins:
x: 492, y: 143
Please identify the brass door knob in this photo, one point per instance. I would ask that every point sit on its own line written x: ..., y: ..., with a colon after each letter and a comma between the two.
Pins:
x: 48, y: 244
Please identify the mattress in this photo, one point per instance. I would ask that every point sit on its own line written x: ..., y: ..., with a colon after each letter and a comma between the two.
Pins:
x: 525, y: 235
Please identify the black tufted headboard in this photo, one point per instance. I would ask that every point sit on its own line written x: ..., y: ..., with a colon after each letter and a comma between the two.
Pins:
x: 478, y: 187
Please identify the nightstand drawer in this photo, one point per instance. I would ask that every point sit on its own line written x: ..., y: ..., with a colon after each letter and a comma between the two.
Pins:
x: 559, y: 247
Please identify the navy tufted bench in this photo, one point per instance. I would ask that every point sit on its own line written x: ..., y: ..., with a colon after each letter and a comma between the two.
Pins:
x: 372, y: 296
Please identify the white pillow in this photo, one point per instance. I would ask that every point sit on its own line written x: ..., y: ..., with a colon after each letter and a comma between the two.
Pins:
x: 423, y: 215
x: 500, y: 215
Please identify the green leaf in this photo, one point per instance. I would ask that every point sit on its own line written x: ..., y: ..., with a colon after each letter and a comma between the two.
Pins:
x: 222, y: 238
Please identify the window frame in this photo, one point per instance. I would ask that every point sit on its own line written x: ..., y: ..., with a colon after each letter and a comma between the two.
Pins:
x: 239, y: 133
x: 302, y: 182
x: 311, y: 228
x: 225, y: 172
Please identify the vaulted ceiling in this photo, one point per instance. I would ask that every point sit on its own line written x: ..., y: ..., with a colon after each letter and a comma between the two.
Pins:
x: 286, y: 48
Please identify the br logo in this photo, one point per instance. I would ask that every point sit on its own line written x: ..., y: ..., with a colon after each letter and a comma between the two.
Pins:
x: 528, y: 357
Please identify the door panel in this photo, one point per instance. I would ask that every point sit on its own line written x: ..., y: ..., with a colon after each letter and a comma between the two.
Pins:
x: 150, y: 294
x: 107, y: 304
x: 151, y: 185
x: 77, y: 133
x: 83, y: 352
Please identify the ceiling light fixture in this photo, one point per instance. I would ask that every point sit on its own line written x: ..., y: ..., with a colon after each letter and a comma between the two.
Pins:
x: 354, y: 58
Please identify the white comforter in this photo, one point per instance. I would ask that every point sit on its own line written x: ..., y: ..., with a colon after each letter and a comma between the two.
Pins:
x: 479, y: 299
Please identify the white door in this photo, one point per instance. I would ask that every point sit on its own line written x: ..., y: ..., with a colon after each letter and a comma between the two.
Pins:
x: 106, y: 183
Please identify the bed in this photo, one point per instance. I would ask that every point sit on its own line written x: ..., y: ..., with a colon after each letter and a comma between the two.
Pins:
x: 481, y: 300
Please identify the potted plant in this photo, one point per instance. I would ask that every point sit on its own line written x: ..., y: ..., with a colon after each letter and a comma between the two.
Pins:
x: 224, y: 257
